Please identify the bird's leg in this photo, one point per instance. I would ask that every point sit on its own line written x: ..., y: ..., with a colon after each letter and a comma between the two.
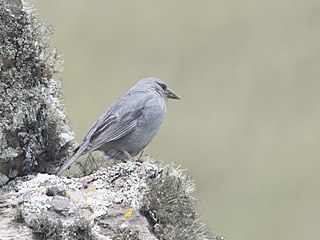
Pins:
x: 127, y: 155
x: 130, y: 158
x: 139, y: 157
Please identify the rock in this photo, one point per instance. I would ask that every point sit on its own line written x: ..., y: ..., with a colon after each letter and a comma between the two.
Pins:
x: 130, y: 200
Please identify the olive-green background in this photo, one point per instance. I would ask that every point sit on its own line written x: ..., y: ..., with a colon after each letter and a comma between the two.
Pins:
x: 248, y: 127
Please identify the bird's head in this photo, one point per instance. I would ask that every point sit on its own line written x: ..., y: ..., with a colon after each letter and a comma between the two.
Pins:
x: 155, y: 84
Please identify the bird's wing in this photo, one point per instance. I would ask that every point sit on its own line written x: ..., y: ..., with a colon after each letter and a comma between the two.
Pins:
x: 118, y: 121
x: 115, y: 124
x: 117, y: 127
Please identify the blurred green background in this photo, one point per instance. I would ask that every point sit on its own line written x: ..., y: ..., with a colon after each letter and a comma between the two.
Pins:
x: 248, y: 127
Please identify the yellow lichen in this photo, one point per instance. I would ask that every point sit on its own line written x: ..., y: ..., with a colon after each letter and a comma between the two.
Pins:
x: 128, y: 214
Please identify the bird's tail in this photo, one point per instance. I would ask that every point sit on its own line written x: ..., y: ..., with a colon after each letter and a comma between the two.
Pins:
x: 78, y: 152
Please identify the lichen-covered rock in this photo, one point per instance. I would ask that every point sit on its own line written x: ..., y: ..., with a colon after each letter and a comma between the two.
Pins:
x: 34, y: 134
x: 130, y: 200
x: 105, y: 203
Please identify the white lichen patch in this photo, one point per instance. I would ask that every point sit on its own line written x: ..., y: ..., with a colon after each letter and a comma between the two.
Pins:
x: 30, y: 96
x: 63, y: 204
x: 126, y: 182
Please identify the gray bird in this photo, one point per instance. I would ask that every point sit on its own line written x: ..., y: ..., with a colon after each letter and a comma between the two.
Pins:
x: 129, y: 125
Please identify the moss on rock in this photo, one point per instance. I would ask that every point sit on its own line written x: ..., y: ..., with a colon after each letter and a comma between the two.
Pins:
x: 34, y: 134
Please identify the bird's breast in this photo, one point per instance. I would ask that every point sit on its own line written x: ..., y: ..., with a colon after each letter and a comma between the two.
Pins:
x: 154, y: 111
x: 148, y: 125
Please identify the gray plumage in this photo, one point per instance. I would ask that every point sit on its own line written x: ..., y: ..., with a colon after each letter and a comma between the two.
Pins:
x: 129, y: 125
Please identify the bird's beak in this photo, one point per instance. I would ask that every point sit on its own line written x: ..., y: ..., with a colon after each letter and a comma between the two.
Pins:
x: 171, y: 94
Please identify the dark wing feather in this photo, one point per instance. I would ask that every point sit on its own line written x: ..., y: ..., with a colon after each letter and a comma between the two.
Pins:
x: 115, y: 128
x: 125, y: 124
x: 104, y: 125
x: 121, y: 129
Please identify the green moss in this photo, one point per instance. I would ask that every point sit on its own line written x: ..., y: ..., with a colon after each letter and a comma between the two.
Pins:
x: 48, y: 226
x: 125, y: 233
x: 34, y: 133
x: 80, y: 229
x: 45, y: 228
x: 170, y: 207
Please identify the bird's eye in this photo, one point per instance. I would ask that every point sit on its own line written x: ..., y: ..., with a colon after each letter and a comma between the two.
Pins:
x: 163, y: 86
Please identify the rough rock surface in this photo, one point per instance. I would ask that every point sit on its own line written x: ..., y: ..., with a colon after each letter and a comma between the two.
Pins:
x: 99, y: 206
x: 131, y: 200
x: 34, y: 133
